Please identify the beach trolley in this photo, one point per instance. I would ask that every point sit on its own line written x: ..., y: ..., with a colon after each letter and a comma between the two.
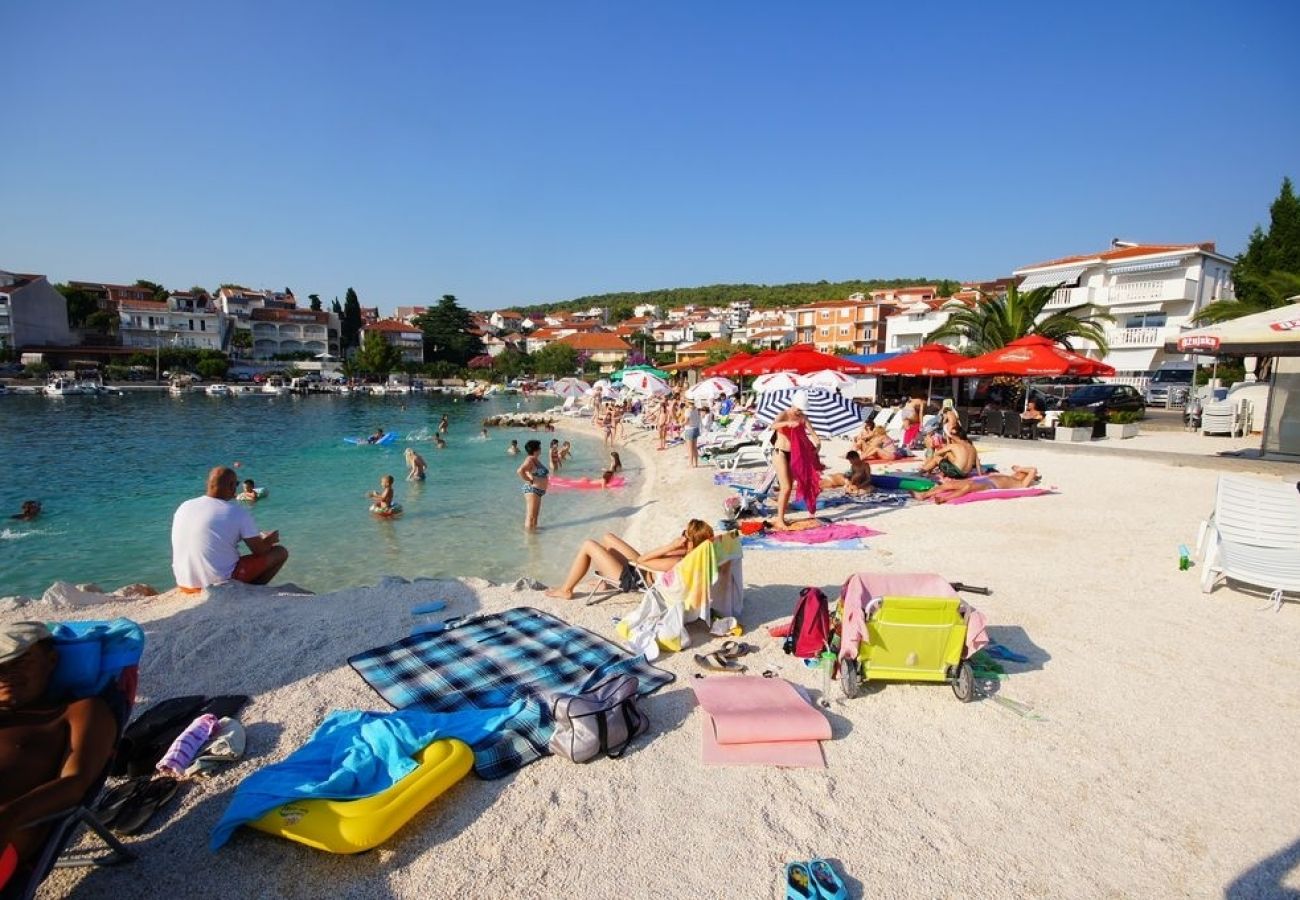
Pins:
x: 914, y: 631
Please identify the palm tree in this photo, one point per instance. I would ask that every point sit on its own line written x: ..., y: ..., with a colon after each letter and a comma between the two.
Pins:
x: 1277, y: 288
x: 992, y: 324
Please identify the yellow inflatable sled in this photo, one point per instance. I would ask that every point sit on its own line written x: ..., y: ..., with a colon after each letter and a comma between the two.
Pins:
x: 353, y: 826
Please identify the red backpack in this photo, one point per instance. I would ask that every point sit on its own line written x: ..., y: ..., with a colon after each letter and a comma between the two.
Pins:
x: 810, y: 632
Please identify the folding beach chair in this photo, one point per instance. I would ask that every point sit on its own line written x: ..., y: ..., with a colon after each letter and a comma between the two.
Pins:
x: 1253, y: 535
x: 95, y: 659
x: 752, y: 498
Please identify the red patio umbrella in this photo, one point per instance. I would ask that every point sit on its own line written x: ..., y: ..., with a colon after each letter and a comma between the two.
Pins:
x: 725, y: 368
x: 803, y: 359
x: 1033, y: 355
x: 928, y: 359
x: 753, y: 365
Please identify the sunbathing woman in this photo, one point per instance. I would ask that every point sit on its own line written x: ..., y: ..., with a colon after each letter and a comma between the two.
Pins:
x: 879, y: 446
x: 616, y: 559
x: 1021, y: 477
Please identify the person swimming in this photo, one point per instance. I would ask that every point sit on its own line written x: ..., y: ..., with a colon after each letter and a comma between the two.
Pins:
x: 513, y: 449
x: 374, y: 438
x: 28, y: 511
x: 382, y: 499
x: 249, y: 493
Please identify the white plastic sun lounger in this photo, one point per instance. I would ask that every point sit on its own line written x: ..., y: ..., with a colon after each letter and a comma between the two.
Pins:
x: 1253, y: 536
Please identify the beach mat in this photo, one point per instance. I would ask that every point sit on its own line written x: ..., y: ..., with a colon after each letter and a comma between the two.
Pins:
x: 999, y: 494
x: 492, y: 660
x: 902, y: 482
x: 835, y: 536
x: 755, y: 721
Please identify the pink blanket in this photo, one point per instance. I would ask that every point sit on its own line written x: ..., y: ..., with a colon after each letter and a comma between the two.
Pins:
x: 822, y: 535
x: 999, y: 494
x: 755, y: 721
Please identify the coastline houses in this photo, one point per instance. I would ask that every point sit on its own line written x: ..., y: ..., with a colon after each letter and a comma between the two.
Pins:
x: 32, y: 312
x: 278, y: 332
x: 402, y: 335
x: 855, y: 324
x: 608, y: 350
x: 187, y: 319
x: 109, y: 296
x: 1152, y: 290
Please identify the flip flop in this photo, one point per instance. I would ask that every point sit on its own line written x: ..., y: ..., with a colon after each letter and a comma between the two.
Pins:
x: 735, y: 649
x: 136, y: 813
x: 115, y: 798
x: 799, y: 883
x: 828, y: 883
x: 718, y: 663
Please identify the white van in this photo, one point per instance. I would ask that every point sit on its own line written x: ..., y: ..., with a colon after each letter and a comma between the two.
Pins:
x: 1174, y: 378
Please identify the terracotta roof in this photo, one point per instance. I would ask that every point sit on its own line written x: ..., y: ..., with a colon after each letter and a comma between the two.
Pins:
x: 543, y: 334
x: 832, y: 304
x: 779, y: 333
x: 1121, y: 253
x: 596, y: 340
x: 686, y: 364
x: 636, y: 320
x: 509, y: 314
x: 705, y: 346
x: 289, y: 315
x: 392, y: 325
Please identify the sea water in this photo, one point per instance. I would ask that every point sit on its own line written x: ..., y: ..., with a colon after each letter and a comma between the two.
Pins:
x: 111, y: 470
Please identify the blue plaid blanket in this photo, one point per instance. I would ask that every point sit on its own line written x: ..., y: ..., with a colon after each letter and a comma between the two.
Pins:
x: 492, y: 660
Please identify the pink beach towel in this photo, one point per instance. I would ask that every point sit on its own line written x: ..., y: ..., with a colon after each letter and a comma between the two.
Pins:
x: 999, y: 494
x: 755, y: 721
x: 822, y: 535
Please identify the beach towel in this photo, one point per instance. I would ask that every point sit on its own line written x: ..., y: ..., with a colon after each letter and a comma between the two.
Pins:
x: 493, y: 660
x: 999, y: 494
x: 805, y: 466
x: 765, y: 542
x: 863, y: 592
x: 708, y: 582
x: 755, y: 721
x: 354, y: 754
x: 832, y: 532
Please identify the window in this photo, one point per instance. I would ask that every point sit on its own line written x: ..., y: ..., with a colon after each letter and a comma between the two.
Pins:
x: 844, y: 329
x: 825, y: 332
x: 203, y: 325
x: 1146, y: 320
x: 826, y: 313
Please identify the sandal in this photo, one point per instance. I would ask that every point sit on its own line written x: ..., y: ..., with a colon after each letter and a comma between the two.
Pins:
x: 735, y: 649
x: 716, y: 662
x: 136, y: 812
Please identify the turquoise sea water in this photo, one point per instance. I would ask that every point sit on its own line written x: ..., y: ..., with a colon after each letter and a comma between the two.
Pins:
x: 110, y: 472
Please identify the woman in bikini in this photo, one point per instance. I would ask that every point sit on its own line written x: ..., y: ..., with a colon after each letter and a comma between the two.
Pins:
x: 792, y: 418
x: 879, y: 446
x: 1020, y: 477
x: 616, y: 560
x: 536, y: 478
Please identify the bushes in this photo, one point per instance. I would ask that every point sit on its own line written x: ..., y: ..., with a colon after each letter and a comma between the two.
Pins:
x: 1077, y: 418
x: 1124, y: 416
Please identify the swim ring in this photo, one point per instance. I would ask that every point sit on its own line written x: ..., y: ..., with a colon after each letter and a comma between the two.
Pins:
x: 391, y: 511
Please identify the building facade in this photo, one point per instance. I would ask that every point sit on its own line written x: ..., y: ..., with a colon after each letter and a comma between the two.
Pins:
x: 189, y: 320
x: 1151, y: 290
x: 277, y: 332
x: 32, y: 313
x: 407, y: 338
x: 855, y: 325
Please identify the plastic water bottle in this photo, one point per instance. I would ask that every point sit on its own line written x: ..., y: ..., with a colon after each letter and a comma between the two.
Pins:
x: 1184, y: 558
x: 827, y: 661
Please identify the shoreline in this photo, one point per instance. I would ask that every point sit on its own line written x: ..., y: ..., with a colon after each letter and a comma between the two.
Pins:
x: 1086, y: 584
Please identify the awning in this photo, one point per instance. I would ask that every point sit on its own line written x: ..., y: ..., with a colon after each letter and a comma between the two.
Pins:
x: 1131, y: 360
x: 1065, y: 277
x: 1129, y: 309
x: 1274, y: 332
x: 1157, y: 266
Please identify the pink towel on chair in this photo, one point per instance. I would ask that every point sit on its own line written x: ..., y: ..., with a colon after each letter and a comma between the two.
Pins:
x: 863, y: 591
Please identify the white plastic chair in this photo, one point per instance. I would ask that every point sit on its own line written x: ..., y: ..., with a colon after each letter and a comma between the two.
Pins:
x: 1253, y: 536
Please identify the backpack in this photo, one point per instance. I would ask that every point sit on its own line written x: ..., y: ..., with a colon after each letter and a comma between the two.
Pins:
x: 810, y: 632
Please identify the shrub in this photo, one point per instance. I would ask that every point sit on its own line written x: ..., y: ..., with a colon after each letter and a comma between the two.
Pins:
x: 1124, y: 416
x: 1077, y: 418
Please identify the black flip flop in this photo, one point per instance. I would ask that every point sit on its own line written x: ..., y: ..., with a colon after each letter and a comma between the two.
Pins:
x: 735, y: 649
x: 716, y: 662
x: 115, y: 798
x: 136, y: 812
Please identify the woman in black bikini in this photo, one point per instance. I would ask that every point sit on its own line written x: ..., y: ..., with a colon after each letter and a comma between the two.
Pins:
x: 791, y: 418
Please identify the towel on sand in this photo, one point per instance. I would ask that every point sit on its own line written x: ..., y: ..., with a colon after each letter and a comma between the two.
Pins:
x: 353, y: 754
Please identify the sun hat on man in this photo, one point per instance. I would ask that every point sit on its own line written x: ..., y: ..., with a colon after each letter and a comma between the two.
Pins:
x: 18, y: 638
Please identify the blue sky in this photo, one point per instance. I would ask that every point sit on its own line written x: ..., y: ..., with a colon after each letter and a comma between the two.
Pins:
x: 521, y: 152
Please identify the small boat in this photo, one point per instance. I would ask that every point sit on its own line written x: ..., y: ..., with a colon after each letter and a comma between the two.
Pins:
x: 378, y: 390
x: 217, y: 390
x: 61, y: 387
x: 275, y: 385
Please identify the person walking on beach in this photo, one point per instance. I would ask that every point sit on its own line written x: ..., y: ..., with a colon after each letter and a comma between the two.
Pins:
x: 536, y: 478
x: 692, y: 435
x: 206, y: 532
x: 416, y: 467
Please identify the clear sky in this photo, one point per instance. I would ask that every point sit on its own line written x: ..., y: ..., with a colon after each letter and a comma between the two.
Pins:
x: 519, y: 152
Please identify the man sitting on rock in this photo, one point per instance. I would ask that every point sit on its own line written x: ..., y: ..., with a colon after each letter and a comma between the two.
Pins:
x: 206, y: 532
x: 50, y: 753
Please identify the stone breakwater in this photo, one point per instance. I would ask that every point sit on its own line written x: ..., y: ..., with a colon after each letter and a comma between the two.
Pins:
x: 519, y: 420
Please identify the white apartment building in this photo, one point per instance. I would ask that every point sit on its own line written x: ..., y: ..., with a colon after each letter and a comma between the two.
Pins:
x: 277, y: 332
x: 646, y: 311
x: 184, y: 319
x: 765, y: 327
x: 32, y: 312
x: 738, y: 313
x: 1152, y: 290
x: 907, y: 328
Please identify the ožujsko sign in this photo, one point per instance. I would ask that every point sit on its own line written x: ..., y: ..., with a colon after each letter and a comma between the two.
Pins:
x: 1285, y: 325
x: 1198, y: 342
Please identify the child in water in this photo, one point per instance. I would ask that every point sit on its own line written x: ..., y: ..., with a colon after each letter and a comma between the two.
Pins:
x: 513, y: 449
x: 249, y: 493
x: 566, y: 450
x: 439, y: 442
x: 382, y: 499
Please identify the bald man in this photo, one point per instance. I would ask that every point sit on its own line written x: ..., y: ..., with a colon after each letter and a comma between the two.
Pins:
x: 206, y: 532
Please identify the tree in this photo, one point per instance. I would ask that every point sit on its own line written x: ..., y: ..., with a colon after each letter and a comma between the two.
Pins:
x: 213, y: 368
x: 337, y: 309
x: 556, y: 359
x: 448, y: 334
x: 159, y: 292
x: 81, y: 306
x: 350, y: 327
x: 103, y: 322
x: 1267, y: 274
x: 315, y: 302
x: 511, y: 364
x: 377, y: 356
x: 995, y: 323
x: 242, y: 339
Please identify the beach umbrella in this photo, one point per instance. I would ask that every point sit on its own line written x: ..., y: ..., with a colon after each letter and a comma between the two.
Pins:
x: 928, y: 359
x: 727, y: 367
x: 644, y: 383
x: 830, y: 414
x: 1274, y: 332
x: 657, y: 373
x: 712, y: 388
x: 604, y: 386
x: 828, y: 379
x: 753, y: 365
x: 803, y: 359
x: 570, y: 387
x: 1032, y: 355
x: 776, y: 381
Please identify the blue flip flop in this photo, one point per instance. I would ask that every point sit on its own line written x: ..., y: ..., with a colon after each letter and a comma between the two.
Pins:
x: 798, y: 882
x: 828, y: 883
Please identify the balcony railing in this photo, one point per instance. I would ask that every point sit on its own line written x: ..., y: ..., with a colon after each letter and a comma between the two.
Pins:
x: 1136, y: 337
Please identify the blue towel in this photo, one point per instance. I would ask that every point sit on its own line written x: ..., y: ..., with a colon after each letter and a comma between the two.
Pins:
x: 354, y: 754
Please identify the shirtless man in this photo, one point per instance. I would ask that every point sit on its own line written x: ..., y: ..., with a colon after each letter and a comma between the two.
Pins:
x: 1021, y: 477
x: 857, y: 480
x: 954, y: 456
x: 50, y: 753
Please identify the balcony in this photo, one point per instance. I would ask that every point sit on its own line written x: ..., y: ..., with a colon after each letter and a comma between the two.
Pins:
x: 1067, y: 297
x: 1136, y: 337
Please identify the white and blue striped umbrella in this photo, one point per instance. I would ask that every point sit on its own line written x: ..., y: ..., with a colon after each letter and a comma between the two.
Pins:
x: 830, y: 414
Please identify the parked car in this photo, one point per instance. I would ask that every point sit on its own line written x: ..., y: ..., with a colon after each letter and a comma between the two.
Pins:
x: 1105, y: 398
x: 1172, y: 383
